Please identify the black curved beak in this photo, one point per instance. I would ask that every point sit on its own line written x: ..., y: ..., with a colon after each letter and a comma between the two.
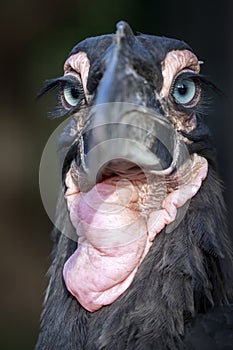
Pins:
x: 127, y: 122
x: 124, y: 62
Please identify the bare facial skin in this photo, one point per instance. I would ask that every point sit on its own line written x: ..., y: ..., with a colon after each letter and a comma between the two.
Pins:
x: 175, y: 62
x: 80, y: 64
x: 114, y: 231
x: 114, y: 236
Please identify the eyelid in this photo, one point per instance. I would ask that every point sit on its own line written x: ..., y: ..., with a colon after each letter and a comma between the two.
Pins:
x: 72, y: 74
x: 63, y: 98
x: 185, y: 75
x: 55, y: 85
x: 207, y: 90
x: 52, y: 84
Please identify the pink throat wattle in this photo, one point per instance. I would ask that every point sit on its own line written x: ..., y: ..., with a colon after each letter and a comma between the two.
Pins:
x: 114, y: 234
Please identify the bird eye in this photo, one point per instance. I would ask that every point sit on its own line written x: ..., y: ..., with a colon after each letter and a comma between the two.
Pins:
x: 72, y: 93
x: 186, y: 90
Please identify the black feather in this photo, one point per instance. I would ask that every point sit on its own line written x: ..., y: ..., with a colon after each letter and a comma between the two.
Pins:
x: 183, y: 288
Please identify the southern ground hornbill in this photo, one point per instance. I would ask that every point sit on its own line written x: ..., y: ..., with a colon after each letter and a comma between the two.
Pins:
x: 141, y: 257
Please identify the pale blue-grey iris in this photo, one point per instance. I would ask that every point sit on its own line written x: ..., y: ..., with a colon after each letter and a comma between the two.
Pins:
x: 71, y: 95
x: 184, y: 91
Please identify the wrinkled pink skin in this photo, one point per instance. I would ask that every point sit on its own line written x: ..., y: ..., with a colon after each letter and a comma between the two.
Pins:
x: 114, y: 237
x: 175, y: 62
x: 113, y: 241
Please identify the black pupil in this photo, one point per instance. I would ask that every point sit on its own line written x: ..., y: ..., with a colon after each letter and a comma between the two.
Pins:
x: 74, y: 92
x: 182, y: 89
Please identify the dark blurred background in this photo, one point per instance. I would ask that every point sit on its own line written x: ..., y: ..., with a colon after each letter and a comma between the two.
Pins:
x: 35, y: 39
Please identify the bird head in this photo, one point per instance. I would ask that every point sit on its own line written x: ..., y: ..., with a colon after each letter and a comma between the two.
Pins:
x: 134, y: 153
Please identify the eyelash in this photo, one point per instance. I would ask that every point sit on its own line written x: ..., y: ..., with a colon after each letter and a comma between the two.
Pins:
x: 59, y: 85
x: 206, y: 87
x: 62, y: 108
